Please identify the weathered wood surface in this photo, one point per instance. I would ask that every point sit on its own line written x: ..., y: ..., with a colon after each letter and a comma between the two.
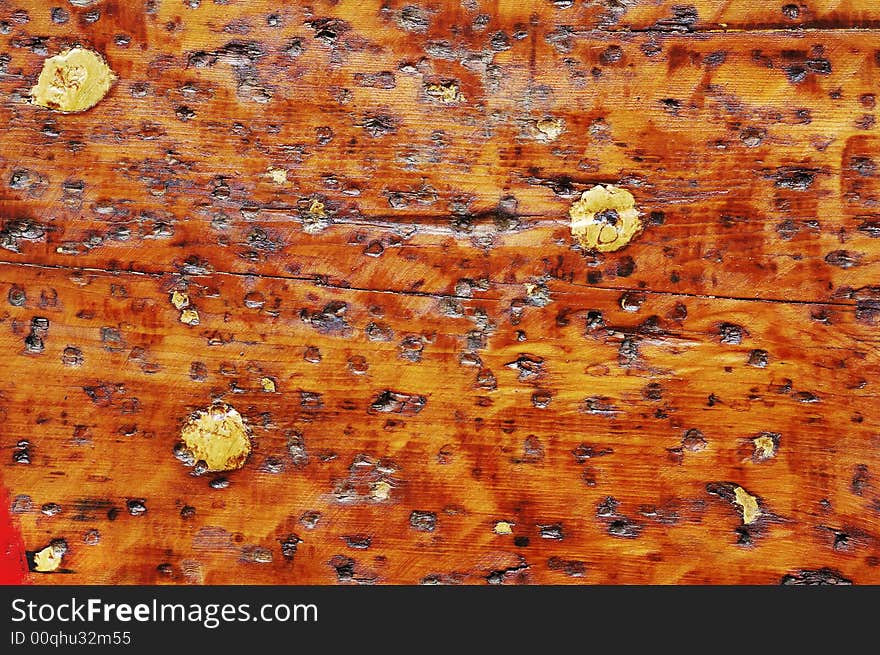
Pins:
x: 605, y: 405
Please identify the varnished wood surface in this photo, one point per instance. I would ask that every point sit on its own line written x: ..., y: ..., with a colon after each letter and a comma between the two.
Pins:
x: 606, y: 405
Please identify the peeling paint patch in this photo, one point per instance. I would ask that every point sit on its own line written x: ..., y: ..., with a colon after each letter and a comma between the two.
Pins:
x: 179, y: 299
x: 49, y: 558
x: 73, y: 81
x: 189, y: 316
x: 765, y: 445
x: 216, y: 436
x: 381, y: 490
x: 749, y: 505
x: 547, y: 129
x: 605, y: 218
x: 446, y: 92
x: 315, y: 215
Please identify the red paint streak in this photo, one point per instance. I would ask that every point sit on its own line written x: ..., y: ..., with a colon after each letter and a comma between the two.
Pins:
x: 13, y: 562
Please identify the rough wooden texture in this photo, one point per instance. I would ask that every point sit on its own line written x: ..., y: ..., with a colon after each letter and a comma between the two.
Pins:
x: 388, y: 291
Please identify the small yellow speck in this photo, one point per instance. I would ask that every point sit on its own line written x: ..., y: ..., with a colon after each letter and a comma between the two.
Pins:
x: 503, y: 527
x: 277, y: 175
x: 381, y: 490
x: 749, y: 505
x: 316, y: 208
x: 179, y: 299
x: 268, y: 385
x: 189, y: 316
x: 48, y: 559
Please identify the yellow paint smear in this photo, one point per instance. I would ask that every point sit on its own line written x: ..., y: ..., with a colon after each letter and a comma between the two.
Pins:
x: 268, y: 385
x: 217, y: 436
x: 749, y: 505
x: 48, y: 559
x: 605, y: 218
x: 73, y: 81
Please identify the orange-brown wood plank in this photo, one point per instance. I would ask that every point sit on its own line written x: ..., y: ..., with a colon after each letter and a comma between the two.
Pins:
x: 606, y: 409
x: 442, y: 385
x: 750, y: 154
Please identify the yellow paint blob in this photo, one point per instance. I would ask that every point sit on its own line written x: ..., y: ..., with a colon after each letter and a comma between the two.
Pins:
x: 605, y: 218
x: 268, y: 385
x: 316, y: 209
x: 277, y: 175
x: 48, y: 559
x: 179, y: 299
x: 749, y: 505
x: 381, y: 490
x: 445, y: 92
x: 73, y: 81
x: 217, y: 436
x: 503, y: 527
x: 189, y: 316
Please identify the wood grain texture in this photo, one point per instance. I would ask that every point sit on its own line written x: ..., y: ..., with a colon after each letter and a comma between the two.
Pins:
x: 444, y: 358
